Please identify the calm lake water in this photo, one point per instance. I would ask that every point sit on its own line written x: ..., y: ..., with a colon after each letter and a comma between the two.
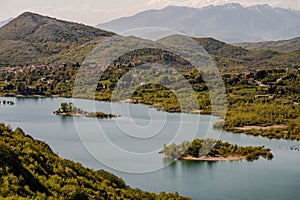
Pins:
x: 128, y: 146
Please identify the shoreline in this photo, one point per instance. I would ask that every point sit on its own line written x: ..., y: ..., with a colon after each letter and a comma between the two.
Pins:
x: 246, y: 128
x: 195, y: 112
x: 214, y: 159
x: 87, y: 115
x: 12, y: 95
x: 70, y: 115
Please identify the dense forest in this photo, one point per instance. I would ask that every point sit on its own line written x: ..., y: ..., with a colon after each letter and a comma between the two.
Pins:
x: 30, y: 170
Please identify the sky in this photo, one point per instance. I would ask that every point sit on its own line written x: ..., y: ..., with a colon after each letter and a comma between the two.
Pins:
x: 93, y: 12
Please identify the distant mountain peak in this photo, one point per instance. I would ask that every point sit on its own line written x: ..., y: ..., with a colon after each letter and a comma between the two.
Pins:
x: 27, y: 13
x: 261, y: 7
x: 32, y: 15
x: 232, y: 6
x: 225, y: 6
x: 228, y: 22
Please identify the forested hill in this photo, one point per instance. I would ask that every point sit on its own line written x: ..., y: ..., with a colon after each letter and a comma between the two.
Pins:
x: 30, y: 170
x: 32, y: 38
x: 233, y: 58
x: 218, y: 48
x: 284, y: 46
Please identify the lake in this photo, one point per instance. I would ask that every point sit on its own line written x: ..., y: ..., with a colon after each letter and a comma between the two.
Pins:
x: 128, y: 146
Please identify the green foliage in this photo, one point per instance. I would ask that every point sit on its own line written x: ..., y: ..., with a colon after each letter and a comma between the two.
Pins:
x: 218, y: 125
x: 40, y: 80
x: 279, y: 104
x: 30, y: 170
x: 68, y: 109
x: 214, y: 148
x: 35, y: 39
x: 221, y: 49
x: 285, y: 46
x: 260, y: 114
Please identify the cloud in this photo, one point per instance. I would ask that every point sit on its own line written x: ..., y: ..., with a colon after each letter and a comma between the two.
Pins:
x: 295, y: 4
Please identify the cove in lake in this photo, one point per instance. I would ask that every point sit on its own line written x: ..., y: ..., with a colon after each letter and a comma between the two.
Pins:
x: 134, y: 132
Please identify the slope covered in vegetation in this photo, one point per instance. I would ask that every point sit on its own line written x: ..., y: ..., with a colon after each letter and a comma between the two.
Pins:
x: 31, y: 39
x: 207, y: 149
x: 30, y: 170
x: 261, y: 97
x: 285, y: 46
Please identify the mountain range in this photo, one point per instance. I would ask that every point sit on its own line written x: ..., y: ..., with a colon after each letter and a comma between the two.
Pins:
x: 35, y: 39
x: 229, y: 23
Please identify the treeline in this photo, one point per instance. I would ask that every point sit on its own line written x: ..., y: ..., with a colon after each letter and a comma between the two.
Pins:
x: 211, y: 147
x: 30, y: 170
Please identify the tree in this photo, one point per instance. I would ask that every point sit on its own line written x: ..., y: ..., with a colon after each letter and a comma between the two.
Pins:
x: 20, y: 87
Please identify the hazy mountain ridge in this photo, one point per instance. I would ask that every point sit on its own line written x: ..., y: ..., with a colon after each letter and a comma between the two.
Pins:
x: 284, y: 46
x: 32, y: 38
x: 229, y: 22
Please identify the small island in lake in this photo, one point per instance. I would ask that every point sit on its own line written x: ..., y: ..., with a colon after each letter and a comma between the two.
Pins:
x: 214, y: 150
x: 68, y: 109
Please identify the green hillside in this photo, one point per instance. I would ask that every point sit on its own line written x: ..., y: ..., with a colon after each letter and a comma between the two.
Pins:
x: 284, y: 46
x: 30, y: 170
x: 234, y: 59
x: 34, y: 39
x: 221, y: 49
